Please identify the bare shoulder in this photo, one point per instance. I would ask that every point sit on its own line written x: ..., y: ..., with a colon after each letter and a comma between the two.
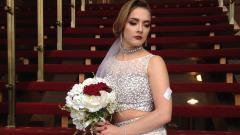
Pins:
x: 156, y: 64
x: 156, y: 61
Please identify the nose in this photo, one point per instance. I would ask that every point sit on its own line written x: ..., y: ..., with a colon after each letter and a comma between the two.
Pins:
x: 140, y: 28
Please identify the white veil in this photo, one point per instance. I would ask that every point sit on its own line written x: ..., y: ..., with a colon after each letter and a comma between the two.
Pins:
x: 115, y: 48
x: 101, y: 72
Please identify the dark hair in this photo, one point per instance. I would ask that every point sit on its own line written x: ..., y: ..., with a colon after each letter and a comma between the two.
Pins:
x: 124, y: 12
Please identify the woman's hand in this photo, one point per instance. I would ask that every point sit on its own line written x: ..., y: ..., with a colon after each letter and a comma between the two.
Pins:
x: 100, y: 126
x: 108, y: 129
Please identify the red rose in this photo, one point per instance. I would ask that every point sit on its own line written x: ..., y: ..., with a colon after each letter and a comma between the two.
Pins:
x: 94, y: 89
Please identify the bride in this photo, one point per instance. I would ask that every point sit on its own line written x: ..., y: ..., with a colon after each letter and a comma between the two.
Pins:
x: 139, y: 78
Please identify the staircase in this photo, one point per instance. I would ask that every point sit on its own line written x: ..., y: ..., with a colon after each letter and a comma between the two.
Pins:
x: 194, y: 38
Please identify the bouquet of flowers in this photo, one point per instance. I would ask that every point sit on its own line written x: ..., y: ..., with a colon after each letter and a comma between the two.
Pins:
x: 90, y: 102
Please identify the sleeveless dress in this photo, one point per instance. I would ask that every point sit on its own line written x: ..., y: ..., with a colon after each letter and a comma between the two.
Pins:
x: 129, y: 80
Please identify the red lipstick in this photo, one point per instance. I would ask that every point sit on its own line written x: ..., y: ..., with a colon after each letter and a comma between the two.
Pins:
x: 138, y: 37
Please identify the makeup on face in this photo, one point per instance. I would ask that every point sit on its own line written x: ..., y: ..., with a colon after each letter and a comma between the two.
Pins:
x: 134, y: 21
x: 137, y: 27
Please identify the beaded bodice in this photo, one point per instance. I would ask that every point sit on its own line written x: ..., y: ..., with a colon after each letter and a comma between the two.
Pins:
x: 129, y: 80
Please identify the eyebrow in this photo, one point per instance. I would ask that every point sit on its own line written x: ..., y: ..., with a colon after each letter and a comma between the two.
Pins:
x: 136, y: 19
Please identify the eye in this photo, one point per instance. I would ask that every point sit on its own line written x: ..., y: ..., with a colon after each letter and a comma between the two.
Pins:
x: 147, y: 25
x: 132, y: 23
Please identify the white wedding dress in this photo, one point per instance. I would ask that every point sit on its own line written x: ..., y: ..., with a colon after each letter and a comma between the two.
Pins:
x: 129, y: 80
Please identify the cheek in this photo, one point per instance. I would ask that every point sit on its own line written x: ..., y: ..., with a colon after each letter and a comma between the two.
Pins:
x: 146, y: 32
x: 128, y: 29
x: 126, y: 33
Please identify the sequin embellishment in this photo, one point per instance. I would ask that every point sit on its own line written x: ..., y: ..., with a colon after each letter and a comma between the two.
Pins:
x: 129, y: 80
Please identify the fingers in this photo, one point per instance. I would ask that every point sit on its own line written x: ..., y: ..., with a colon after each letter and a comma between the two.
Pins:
x: 100, y: 128
x: 100, y: 123
x: 107, y: 123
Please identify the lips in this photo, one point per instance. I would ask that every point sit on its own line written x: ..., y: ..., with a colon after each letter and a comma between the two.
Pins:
x: 138, y: 37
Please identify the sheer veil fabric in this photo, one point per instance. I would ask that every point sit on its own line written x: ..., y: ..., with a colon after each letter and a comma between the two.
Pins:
x: 101, y: 72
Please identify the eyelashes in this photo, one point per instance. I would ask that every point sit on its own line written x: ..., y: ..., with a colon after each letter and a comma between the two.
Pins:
x: 147, y: 25
x: 132, y: 23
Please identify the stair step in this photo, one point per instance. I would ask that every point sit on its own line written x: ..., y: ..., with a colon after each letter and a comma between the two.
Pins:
x: 157, y: 29
x: 213, y: 111
x: 172, y: 53
x: 70, y: 131
x: 156, y: 12
x: 160, y: 20
x: 79, y: 68
x: 205, y: 40
x: 113, y: 13
x: 219, y: 29
x: 34, y: 86
x: 36, y: 131
x: 159, y: 4
x: 109, y: 21
x: 158, y: 41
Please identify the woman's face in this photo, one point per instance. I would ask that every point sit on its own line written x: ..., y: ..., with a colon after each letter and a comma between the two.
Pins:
x: 136, y: 28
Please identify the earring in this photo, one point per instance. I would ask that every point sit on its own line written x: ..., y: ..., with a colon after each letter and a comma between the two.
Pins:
x: 145, y: 44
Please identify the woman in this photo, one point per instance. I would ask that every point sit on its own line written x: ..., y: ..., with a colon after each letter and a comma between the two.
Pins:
x: 139, y: 78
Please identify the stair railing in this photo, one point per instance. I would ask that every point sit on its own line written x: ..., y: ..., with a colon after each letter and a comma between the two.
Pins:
x: 220, y: 3
x: 73, y: 14
x: 83, y: 5
x: 231, y: 11
x: 9, y: 8
x: 59, y: 25
x: 40, y: 46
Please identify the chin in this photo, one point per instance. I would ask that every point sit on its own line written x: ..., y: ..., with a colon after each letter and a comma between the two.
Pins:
x: 137, y: 44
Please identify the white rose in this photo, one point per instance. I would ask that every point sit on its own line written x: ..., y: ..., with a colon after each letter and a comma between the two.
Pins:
x: 69, y: 101
x: 92, y: 103
x: 77, y: 102
x: 104, y: 98
x: 89, y: 81
x: 79, y: 124
x: 76, y: 89
x: 80, y: 115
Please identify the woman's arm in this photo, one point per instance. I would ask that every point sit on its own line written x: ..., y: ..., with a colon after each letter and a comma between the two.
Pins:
x: 159, y: 83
